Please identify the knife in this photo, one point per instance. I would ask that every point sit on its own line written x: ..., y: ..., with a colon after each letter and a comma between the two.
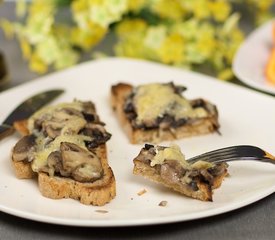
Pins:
x: 26, y: 109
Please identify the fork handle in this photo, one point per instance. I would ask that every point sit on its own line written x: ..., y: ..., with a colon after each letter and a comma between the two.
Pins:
x: 263, y: 159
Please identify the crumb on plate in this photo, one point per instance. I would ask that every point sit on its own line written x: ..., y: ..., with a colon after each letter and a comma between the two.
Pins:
x: 101, y: 211
x: 163, y: 203
x: 141, y: 192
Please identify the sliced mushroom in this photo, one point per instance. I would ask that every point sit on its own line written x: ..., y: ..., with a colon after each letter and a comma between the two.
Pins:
x: 171, y: 171
x: 23, y: 147
x: 218, y: 169
x: 207, y: 176
x: 98, y: 134
x: 67, y: 121
x: 63, y: 114
x: 54, y: 161
x: 89, y: 112
x: 52, y: 128
x: 86, y: 172
x: 84, y: 166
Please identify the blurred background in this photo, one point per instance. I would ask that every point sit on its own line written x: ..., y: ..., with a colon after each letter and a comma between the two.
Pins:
x: 42, y: 36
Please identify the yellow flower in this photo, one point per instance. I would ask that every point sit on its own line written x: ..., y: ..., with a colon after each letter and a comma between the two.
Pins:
x: 87, y: 38
x: 108, y: 12
x: 134, y: 26
x: 132, y: 40
x: 199, y: 8
x: 80, y: 12
x: 189, y: 29
x: 192, y: 33
x: 155, y: 36
x: 206, y: 45
x: 225, y: 74
x: 79, y: 6
x: 37, y: 28
x: 25, y: 48
x: 21, y: 8
x: 116, y: 7
x: 67, y: 57
x: 94, y: 2
x: 172, y: 50
x: 101, y: 16
x: 42, y: 7
x: 264, y: 5
x: 48, y: 50
x: 130, y: 47
x: 136, y: 5
x: 235, y: 39
x: 82, y: 20
x: 36, y: 64
x: 7, y: 27
x: 220, y: 9
x: 230, y: 24
x: 171, y: 9
x: 39, y: 21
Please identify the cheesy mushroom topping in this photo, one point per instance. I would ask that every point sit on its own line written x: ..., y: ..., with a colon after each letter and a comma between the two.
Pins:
x: 160, y: 105
x: 62, y: 141
x: 173, y: 168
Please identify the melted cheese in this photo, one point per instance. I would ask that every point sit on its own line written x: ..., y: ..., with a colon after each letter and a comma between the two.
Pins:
x: 202, y: 165
x: 170, y: 153
x: 49, y: 111
x: 73, y: 125
x: 44, y: 149
x: 174, y: 153
x: 70, y: 124
x: 154, y: 100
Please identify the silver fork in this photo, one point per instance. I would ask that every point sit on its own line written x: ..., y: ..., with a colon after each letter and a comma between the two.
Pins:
x: 234, y: 153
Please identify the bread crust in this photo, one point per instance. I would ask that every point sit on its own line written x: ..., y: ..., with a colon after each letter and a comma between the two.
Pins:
x: 21, y: 127
x: 23, y: 169
x: 121, y: 91
x: 96, y: 193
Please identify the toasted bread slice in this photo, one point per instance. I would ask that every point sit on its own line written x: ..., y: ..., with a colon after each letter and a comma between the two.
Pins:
x: 65, y: 148
x: 201, y: 116
x: 166, y: 166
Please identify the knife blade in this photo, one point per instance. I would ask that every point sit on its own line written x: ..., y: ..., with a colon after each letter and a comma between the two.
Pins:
x: 26, y: 109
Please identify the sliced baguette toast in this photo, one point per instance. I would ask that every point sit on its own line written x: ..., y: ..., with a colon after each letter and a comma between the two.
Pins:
x: 69, y: 161
x: 163, y: 126
x: 166, y: 166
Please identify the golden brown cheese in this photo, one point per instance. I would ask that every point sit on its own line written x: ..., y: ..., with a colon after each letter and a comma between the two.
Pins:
x: 174, y: 153
x: 43, y: 149
x: 70, y: 125
x: 154, y: 100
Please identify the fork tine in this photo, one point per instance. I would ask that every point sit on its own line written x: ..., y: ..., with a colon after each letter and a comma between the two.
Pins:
x: 219, y: 160
x: 215, y: 154
x: 234, y: 153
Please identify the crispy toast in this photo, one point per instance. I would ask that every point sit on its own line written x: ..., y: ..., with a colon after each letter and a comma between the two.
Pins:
x: 146, y: 116
x: 64, y: 146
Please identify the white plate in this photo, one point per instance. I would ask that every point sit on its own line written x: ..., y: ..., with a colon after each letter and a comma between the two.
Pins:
x: 246, y: 117
x: 251, y: 58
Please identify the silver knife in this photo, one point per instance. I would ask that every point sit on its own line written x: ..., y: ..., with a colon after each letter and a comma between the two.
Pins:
x: 26, y: 109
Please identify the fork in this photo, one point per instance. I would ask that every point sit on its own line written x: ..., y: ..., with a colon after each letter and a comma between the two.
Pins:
x: 234, y: 153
